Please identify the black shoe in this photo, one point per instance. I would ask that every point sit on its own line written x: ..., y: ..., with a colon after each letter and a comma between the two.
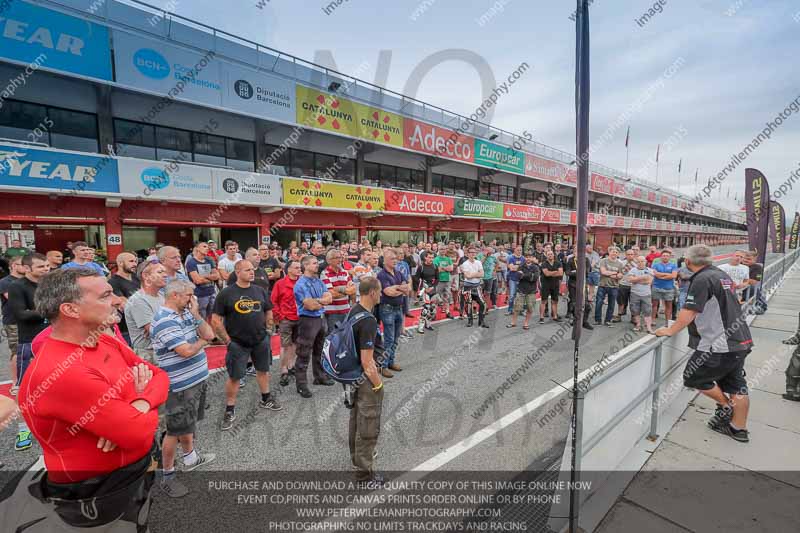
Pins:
x: 303, y: 391
x: 557, y: 319
x: 291, y: 371
x: 739, y: 435
x: 484, y: 325
x: 586, y: 325
x: 793, y: 340
x: 791, y: 397
x: 609, y: 325
x: 541, y: 321
x: 722, y: 416
x: 469, y: 323
x: 284, y: 380
x: 449, y: 315
x: 375, y: 482
x: 324, y: 381
x: 598, y: 323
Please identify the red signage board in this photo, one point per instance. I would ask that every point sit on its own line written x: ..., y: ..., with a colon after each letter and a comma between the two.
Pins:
x: 419, y: 204
x: 549, y: 170
x: 602, y: 184
x: 522, y: 213
x: 437, y: 141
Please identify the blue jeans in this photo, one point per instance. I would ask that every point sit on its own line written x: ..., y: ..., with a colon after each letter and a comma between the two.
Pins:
x: 393, y: 322
x: 512, y: 293
x: 602, y: 292
x: 682, y: 298
x: 206, y: 305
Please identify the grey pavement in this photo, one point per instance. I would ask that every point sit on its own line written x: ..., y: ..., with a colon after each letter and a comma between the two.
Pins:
x: 698, y: 480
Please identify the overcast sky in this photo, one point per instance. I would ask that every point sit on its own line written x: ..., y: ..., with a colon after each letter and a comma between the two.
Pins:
x: 734, y: 70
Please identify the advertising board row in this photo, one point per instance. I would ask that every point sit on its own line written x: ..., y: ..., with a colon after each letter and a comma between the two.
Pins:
x: 66, y: 173
x: 73, y: 45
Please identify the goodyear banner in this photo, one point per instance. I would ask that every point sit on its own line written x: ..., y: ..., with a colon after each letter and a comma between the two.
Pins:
x: 472, y: 207
x: 795, y: 232
x: 757, y: 202
x: 500, y: 157
x: 329, y: 112
x: 316, y: 194
x: 777, y: 227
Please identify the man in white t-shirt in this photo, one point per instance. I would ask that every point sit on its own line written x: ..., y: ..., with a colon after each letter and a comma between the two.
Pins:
x: 227, y: 262
x: 472, y: 269
x: 738, y: 272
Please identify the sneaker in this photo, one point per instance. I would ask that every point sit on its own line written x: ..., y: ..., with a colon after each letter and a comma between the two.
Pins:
x: 328, y: 382
x: 228, y: 420
x: 722, y: 416
x: 557, y: 319
x: 242, y: 383
x: 291, y: 371
x: 24, y: 441
x: 449, y: 315
x: 203, y: 459
x: 271, y: 404
x: 598, y: 323
x: 172, y: 487
x: 616, y: 319
x: 609, y: 325
x: 284, y: 380
x: 739, y: 435
x: 541, y: 321
x: 251, y: 371
x: 385, y: 372
x: 395, y: 367
x: 793, y: 340
x: 303, y: 391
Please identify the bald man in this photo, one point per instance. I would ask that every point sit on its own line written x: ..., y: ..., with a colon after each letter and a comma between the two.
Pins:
x: 55, y: 258
x: 125, y: 283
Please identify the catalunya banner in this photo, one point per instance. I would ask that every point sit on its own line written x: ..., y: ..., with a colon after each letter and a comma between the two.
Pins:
x: 777, y: 227
x: 793, y: 236
x: 757, y: 201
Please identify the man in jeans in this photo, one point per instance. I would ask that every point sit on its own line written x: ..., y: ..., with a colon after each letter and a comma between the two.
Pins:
x: 610, y: 274
x: 394, y: 288
x: 203, y: 274
x: 311, y: 297
x: 719, y: 334
x: 515, y: 262
x: 625, y: 286
x: 665, y: 272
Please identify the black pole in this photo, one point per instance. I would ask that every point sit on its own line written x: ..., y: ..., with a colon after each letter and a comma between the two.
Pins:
x: 582, y: 196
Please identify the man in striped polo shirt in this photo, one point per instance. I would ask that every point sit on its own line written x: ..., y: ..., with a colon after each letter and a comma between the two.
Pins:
x: 179, y: 336
x: 339, y: 283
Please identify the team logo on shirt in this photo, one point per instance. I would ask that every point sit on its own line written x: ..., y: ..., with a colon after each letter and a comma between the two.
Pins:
x: 246, y: 306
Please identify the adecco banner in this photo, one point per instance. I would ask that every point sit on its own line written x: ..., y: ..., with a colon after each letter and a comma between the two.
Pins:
x: 472, y: 207
x: 320, y: 110
x: 437, y: 141
x: 165, y: 69
x: 499, y: 157
x: 169, y: 180
x: 419, y: 204
x: 546, y: 169
x: 57, y: 171
x: 238, y: 187
x: 29, y: 33
x: 308, y: 193
x: 257, y: 93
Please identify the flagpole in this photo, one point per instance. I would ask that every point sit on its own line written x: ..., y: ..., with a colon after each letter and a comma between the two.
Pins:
x: 627, y: 158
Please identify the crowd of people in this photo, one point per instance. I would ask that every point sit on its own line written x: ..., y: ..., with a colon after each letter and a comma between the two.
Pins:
x: 157, y: 314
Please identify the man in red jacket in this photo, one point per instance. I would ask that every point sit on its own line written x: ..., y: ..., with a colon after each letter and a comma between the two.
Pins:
x: 91, y: 403
x: 284, y: 312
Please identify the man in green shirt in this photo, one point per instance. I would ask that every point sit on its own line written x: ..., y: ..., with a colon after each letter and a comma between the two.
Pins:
x: 489, y: 282
x: 444, y: 266
x: 15, y: 250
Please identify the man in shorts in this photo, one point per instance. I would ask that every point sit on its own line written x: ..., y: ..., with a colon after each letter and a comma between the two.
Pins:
x: 665, y: 273
x: 624, y: 293
x: 528, y: 282
x: 444, y: 265
x: 9, y: 322
x: 719, y: 335
x: 284, y: 311
x: 640, y: 278
x: 552, y: 272
x: 593, y: 277
x: 242, y: 313
x: 179, y: 336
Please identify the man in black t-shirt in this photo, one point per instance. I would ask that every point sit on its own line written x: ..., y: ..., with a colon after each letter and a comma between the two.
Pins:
x: 571, y: 270
x: 719, y: 335
x: 242, y: 313
x: 261, y: 278
x: 366, y: 413
x: 526, y: 290
x: 124, y: 283
x: 271, y: 263
x: 552, y: 272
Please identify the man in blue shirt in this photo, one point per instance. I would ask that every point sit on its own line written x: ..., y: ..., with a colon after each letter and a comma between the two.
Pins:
x: 394, y: 288
x: 179, y: 336
x: 204, y: 275
x: 83, y: 254
x: 665, y: 272
x: 515, y: 261
x: 311, y: 297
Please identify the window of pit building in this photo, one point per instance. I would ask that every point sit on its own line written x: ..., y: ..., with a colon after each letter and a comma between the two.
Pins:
x: 454, y: 186
x: 54, y: 126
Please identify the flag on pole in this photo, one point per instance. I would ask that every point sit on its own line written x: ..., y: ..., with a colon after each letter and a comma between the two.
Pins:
x: 695, y: 175
x: 658, y: 151
x: 680, y: 164
x: 728, y: 193
x: 628, y: 137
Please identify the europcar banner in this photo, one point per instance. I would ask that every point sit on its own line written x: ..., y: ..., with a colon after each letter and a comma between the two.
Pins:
x: 756, y: 196
x: 777, y: 227
x: 793, y: 236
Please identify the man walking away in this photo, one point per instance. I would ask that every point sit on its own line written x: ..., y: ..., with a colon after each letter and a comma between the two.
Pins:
x: 125, y: 283
x: 142, y: 307
x: 311, y: 297
x: 30, y: 323
x: 719, y: 334
x: 365, y: 417
x: 179, y: 337
x: 610, y: 274
x: 242, y: 314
